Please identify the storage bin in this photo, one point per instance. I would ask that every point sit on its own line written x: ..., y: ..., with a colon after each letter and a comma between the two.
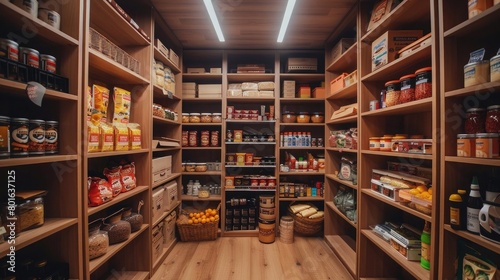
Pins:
x: 337, y: 83
x: 351, y: 78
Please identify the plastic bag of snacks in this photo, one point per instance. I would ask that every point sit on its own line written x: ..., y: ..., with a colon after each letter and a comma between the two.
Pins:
x: 122, y: 99
x: 113, y: 175
x: 348, y: 170
x: 127, y: 177
x: 101, y: 100
x: 100, y: 191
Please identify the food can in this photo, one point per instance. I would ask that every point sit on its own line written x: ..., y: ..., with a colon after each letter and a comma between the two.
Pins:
x: 487, y: 145
x: 286, y: 229
x: 466, y: 145
x: 476, y: 73
x: 36, y: 141
x: 19, y: 129
x: 240, y: 158
x: 478, y: 6
x: 374, y: 144
x: 30, y: 57
x: 495, y: 68
x: 9, y: 49
x: 249, y: 159
x: 267, y: 213
x: 51, y: 137
x: 267, y: 230
x: 4, y: 137
x: 50, y: 17
x: 48, y: 63
x: 267, y: 201
x: 374, y: 105
x: 30, y: 6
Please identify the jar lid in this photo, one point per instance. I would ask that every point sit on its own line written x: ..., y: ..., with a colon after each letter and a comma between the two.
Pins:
x: 47, y: 56
x: 475, y: 110
x: 287, y: 219
x: 464, y: 135
x: 201, y: 163
x: 455, y: 197
x: 19, y: 120
x: 406, y: 77
x: 486, y: 135
x: 392, y: 82
x: 288, y: 113
x: 423, y: 70
x: 185, y: 114
x: 4, y: 118
x: 318, y: 113
x: 51, y: 122
x: 416, y: 136
x: 493, y: 107
x: 402, y: 134
x: 194, y: 114
x: 386, y: 137
x: 9, y: 41
x: 304, y: 113
x: 374, y: 138
x: 217, y: 114
x: 206, y: 114
x: 28, y: 49
x: 399, y: 137
x: 191, y: 163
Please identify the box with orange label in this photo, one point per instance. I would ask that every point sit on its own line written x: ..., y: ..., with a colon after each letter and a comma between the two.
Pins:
x: 487, y: 145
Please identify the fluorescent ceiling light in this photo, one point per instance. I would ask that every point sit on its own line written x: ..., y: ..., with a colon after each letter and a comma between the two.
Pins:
x: 213, y: 18
x: 286, y: 20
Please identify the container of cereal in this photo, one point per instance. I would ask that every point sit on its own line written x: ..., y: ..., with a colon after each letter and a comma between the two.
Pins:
x: 392, y: 92
x: 98, y: 240
x: 476, y: 73
x: 216, y: 117
x: 423, y: 83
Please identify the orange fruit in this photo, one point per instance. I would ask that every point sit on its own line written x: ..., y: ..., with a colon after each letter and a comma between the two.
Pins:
x: 216, y: 217
x: 190, y: 222
x: 197, y: 215
x: 196, y: 221
x: 429, y: 191
x: 203, y: 216
x: 212, y: 219
x: 213, y: 212
x: 203, y: 221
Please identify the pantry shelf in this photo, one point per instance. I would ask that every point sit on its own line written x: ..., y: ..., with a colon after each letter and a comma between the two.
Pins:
x: 301, y: 100
x: 201, y: 124
x: 303, y: 148
x: 303, y: 124
x: 165, y: 149
x: 195, y: 198
x: 250, y: 166
x: 342, y: 246
x: 200, y: 100
x: 340, y: 150
x: 26, y: 238
x: 238, y: 78
x: 11, y: 162
x: 345, y: 60
x: 103, y: 65
x: 302, y: 198
x: 158, y: 120
x: 350, y: 119
x: 117, y: 199
x: 305, y: 173
x: 116, y: 153
x: 17, y: 88
x: 477, y: 239
x: 160, y: 93
x: 248, y: 190
x: 399, y: 155
x: 469, y: 160
x: 412, y: 267
x: 485, y: 88
x: 332, y: 206
x: 166, y: 61
x: 478, y: 23
x: 250, y: 143
x: 113, y: 249
x: 348, y: 92
x: 343, y: 182
x: 206, y: 173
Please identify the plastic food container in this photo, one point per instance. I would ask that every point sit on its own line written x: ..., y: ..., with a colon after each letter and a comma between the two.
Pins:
x: 385, y: 143
x: 194, y: 118
x: 423, y: 83
x: 98, y: 240
x: 374, y: 143
x: 200, y: 167
x: 216, y: 117
x: 190, y: 167
x: 407, y: 92
x: 29, y: 211
x: 289, y: 117
x: 206, y: 117
x: 118, y: 230
x: 318, y: 117
x: 185, y: 117
x: 392, y: 92
x: 303, y: 117
x: 50, y: 17
x: 476, y: 73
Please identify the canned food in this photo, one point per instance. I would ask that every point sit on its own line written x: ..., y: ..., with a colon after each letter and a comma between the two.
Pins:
x: 19, y: 137
x: 4, y: 137
x: 487, y: 145
x: 51, y: 137
x: 214, y: 138
x: 48, y: 63
x: 36, y: 141
x: 50, y: 17
x: 476, y: 73
x: 374, y: 105
x: 30, y: 6
x: 9, y: 49
x: 30, y: 57
x: 466, y: 145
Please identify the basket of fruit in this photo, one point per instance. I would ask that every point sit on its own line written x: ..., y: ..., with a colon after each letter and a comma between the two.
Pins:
x: 199, y: 225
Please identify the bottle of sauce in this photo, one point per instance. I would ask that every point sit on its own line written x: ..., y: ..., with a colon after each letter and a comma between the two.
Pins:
x: 425, y: 238
x: 474, y: 205
x: 456, y: 211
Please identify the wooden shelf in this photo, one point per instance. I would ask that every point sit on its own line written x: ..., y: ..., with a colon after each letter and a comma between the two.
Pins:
x: 159, y: 120
x: 166, y: 213
x: 332, y: 206
x: 343, y: 182
x: 200, y: 148
x: 130, y: 275
x: 168, y: 179
x: 195, y: 198
x: 249, y: 122
x: 116, y: 153
x: 10, y: 162
x: 302, y: 76
x: 114, y: 249
x: 303, y: 148
x: 250, y: 100
x: 199, y: 76
x: 117, y: 199
x: 339, y: 150
x: 201, y: 100
x: 166, y: 250
x: 345, y: 61
x: 413, y: 268
x: 160, y: 93
x: 104, y: 65
x: 166, y: 149
x: 342, y: 246
x: 237, y: 78
x: 104, y: 17
x: 206, y: 173
x: 302, y: 100
x: 250, y: 166
x: 478, y: 89
x: 399, y: 155
x: 16, y: 88
x: 18, y: 17
x: 250, y: 143
x: 349, y: 119
x: 248, y: 190
x: 302, y: 124
x: 477, y: 239
x: 477, y: 24
x: 202, y: 124
x: 302, y: 198
x: 418, y: 106
x: 348, y: 92
x: 303, y: 173
x: 477, y: 161
x: 166, y: 61
x: 50, y: 227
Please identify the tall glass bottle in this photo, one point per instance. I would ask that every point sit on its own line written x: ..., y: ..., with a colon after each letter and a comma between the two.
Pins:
x: 474, y: 205
x: 425, y: 255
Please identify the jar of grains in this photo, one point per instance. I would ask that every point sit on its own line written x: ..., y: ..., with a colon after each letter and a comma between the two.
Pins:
x: 423, y: 83
x: 194, y: 118
x: 206, y: 117
x: 216, y: 117
x: 407, y: 88
x: 185, y: 117
x: 474, y: 121
x: 493, y: 119
x: 392, y: 92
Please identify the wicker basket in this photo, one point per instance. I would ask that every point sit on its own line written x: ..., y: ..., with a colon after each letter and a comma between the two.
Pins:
x: 198, y: 232
x: 306, y: 226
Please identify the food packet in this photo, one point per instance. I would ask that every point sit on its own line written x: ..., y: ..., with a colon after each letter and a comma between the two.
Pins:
x: 134, y: 130
x: 99, y: 190
x: 127, y: 177
x: 90, y: 103
x: 93, y: 135
x: 106, y: 139
x: 114, y: 179
x: 101, y: 100
x: 122, y: 101
x: 348, y: 170
x: 121, y: 137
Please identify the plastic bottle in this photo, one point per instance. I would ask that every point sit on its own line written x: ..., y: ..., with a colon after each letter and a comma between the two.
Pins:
x: 474, y: 205
x: 425, y: 238
x: 189, y: 190
x: 456, y: 211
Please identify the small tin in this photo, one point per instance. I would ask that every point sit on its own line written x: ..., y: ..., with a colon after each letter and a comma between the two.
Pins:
x: 30, y: 57
x: 374, y: 105
x: 48, y: 63
x: 19, y: 129
x: 9, y: 49
x: 4, y: 137
x: 30, y: 6
x: 51, y: 137
x: 50, y: 17
x: 36, y: 140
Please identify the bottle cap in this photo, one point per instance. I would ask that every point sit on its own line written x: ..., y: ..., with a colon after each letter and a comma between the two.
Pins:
x: 455, y: 198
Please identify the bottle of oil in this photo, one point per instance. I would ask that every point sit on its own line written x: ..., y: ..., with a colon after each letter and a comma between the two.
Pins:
x: 474, y: 205
x: 425, y: 238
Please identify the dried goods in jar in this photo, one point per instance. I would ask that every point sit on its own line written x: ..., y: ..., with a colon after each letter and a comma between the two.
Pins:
x: 407, y: 93
x: 214, y: 138
x: 474, y: 121
x: 492, y: 124
x: 135, y: 219
x: 392, y: 93
x: 193, y: 138
x: 206, y: 117
x: 205, y: 138
x: 98, y: 240
x: 423, y: 83
x: 118, y: 230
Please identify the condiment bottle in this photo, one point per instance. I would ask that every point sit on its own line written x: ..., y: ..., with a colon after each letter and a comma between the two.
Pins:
x: 474, y: 205
x: 463, y: 217
x: 456, y: 211
x: 425, y: 238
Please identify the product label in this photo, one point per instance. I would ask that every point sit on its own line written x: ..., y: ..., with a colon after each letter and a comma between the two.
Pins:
x: 425, y: 252
x: 464, y: 148
x: 477, y: 55
x: 473, y: 220
x: 487, y: 147
x: 4, y: 139
x: 454, y: 216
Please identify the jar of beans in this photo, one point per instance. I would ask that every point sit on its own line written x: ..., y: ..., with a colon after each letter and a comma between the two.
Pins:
x: 493, y: 119
x: 392, y: 92
x: 474, y: 121
x: 407, y: 88
x: 423, y: 83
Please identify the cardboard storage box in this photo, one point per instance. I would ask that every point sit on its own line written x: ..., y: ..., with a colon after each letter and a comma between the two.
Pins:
x: 209, y: 90
x: 351, y: 78
x: 169, y: 229
x: 170, y: 195
x: 318, y: 92
x: 157, y: 203
x: 385, y: 48
x: 161, y: 48
x: 341, y: 47
x: 157, y: 234
x: 173, y: 57
x: 288, y: 89
x: 162, y: 167
x: 216, y: 70
x: 196, y: 70
x: 337, y: 83
x: 304, y: 92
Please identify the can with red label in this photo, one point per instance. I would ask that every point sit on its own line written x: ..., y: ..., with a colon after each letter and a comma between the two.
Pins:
x: 30, y: 57
x: 48, y: 63
x: 374, y: 105
x: 9, y: 49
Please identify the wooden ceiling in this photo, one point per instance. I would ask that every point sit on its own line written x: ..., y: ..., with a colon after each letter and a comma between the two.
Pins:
x: 253, y: 24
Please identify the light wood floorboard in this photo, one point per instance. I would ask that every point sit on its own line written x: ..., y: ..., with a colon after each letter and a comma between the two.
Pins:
x: 246, y: 258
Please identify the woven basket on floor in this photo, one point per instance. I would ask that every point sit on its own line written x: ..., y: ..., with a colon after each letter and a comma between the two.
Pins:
x: 306, y: 226
x: 197, y: 232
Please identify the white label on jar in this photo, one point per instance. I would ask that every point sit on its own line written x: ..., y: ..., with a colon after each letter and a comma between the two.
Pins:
x: 406, y: 87
x: 473, y: 220
x: 421, y: 81
x: 345, y: 171
x: 20, y: 135
x: 37, y: 135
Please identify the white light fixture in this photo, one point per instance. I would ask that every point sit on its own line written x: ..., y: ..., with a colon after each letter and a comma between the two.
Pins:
x: 213, y: 18
x: 286, y: 20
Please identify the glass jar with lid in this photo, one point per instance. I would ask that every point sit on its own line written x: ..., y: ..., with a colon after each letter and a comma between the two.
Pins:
x: 216, y: 117
x: 423, y: 83
x: 206, y: 117
x: 194, y: 118
x: 474, y: 121
x: 185, y: 117
x: 492, y: 124
x: 407, y: 92
x: 392, y: 92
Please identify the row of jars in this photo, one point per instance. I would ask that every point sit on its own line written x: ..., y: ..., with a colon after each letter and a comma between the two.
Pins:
x: 479, y: 120
x: 408, y: 88
x: 479, y: 145
x: 386, y: 142
x: 162, y: 112
x: 205, y: 139
x: 164, y: 77
x: 201, y: 117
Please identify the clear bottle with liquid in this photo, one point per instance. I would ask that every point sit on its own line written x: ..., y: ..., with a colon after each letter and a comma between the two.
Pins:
x: 474, y: 205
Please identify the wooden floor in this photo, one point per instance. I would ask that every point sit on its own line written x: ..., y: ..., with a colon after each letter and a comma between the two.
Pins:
x: 246, y: 258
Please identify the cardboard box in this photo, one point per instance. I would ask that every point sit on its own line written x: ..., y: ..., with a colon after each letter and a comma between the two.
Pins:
x: 191, y: 86
x: 173, y: 57
x: 196, y: 70
x: 298, y: 64
x: 304, y: 92
x: 385, y: 48
x: 209, y: 89
x: 170, y: 195
x: 157, y: 202
x: 289, y: 89
x: 157, y: 234
x: 161, y: 48
x: 410, y: 253
x: 161, y: 168
x: 319, y: 92
x: 215, y: 70
x: 169, y: 229
x: 341, y: 47
x: 351, y: 78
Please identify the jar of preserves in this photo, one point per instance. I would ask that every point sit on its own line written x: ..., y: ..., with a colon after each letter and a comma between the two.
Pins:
x: 374, y: 143
x: 407, y: 93
x: 194, y: 118
x: 4, y: 137
x: 385, y: 143
x: 185, y: 117
x: 206, y: 117
x: 303, y: 117
x: 193, y: 138
x: 474, y: 121
x: 423, y: 83
x: 493, y: 119
x: 214, y: 138
x: 205, y: 138
x: 392, y: 92
x: 318, y: 117
x: 216, y: 117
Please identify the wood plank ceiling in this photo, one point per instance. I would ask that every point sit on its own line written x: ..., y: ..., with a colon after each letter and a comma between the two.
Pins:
x: 253, y: 24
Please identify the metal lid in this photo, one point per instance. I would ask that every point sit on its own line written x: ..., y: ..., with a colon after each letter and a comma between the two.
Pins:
x: 4, y: 118
x: 493, y: 107
x: 464, y: 135
x: 486, y: 135
x: 19, y: 120
x: 52, y: 122
x: 471, y: 110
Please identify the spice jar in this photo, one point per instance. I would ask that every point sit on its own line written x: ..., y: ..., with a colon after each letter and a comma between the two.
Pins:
x: 118, y: 230
x: 98, y: 240
x: 392, y: 92
x: 474, y: 121
x: 194, y: 118
x: 492, y: 124
x: 423, y: 83
x: 216, y: 117
x: 206, y: 117
x: 407, y: 93
x: 135, y: 219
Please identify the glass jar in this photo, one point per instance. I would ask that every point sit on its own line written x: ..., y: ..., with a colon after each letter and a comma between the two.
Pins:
x: 385, y: 143
x: 206, y: 117
x: 407, y: 93
x: 318, y: 117
x: 201, y: 167
x: 493, y: 119
x: 216, y: 117
x: 4, y: 137
x: 118, y: 230
x: 374, y: 143
x: 303, y: 117
x: 474, y: 121
x: 190, y: 167
x: 194, y: 118
x: 193, y: 138
x: 135, y: 219
x: 423, y: 83
x: 392, y: 92
x: 185, y: 138
x: 205, y: 138
x: 204, y: 192
x: 289, y: 117
x: 185, y: 117
x: 98, y: 240
x: 466, y: 145
x: 487, y: 145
